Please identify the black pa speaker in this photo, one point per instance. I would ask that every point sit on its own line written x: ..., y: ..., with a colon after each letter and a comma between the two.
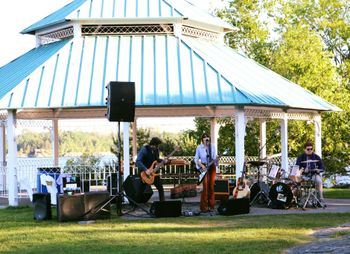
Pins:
x: 70, y: 207
x: 121, y: 101
x: 234, y: 206
x: 137, y: 191
x: 93, y: 202
x: 42, y: 206
x: 171, y: 208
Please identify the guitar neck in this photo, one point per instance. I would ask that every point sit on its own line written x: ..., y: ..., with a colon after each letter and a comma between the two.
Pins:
x: 161, y: 164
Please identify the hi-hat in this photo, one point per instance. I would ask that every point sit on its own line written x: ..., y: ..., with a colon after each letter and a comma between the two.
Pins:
x: 309, y: 161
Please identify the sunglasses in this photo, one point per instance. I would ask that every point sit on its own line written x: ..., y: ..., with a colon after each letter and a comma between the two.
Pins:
x: 309, y: 149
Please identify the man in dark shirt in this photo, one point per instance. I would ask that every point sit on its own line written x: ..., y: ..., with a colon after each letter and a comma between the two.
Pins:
x: 312, y: 166
x: 146, y: 156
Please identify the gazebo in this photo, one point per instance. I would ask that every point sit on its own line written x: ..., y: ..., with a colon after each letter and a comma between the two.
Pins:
x: 173, y: 51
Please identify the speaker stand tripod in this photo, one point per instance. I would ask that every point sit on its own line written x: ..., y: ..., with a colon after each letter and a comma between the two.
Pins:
x: 120, y: 195
x: 261, y: 195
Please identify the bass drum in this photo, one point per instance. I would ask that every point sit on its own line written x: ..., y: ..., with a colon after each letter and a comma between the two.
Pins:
x: 255, y: 189
x: 281, y: 195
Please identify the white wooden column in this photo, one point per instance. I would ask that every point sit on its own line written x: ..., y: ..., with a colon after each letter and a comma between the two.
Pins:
x: 284, y: 142
x: 134, y: 138
x: 2, y: 146
x: 239, y: 140
x: 262, y: 146
x: 55, y: 147
x: 126, y: 151
x: 12, y: 159
x: 214, y: 132
x: 318, y: 135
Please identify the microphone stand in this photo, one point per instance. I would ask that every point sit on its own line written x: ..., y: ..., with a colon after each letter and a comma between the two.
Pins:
x: 208, y: 169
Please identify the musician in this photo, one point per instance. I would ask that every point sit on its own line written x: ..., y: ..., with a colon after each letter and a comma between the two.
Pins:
x: 312, y: 166
x: 205, y: 153
x: 146, y: 156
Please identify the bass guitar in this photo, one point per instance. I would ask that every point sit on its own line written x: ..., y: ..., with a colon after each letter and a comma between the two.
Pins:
x: 242, y: 189
x: 154, y: 168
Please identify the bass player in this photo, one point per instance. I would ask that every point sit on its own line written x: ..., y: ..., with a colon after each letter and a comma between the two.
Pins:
x: 145, y: 158
x: 205, y: 153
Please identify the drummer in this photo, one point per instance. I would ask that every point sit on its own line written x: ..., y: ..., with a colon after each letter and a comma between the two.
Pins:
x: 312, y: 166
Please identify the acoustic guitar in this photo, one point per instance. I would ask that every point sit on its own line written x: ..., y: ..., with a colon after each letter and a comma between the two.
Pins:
x: 154, y: 168
x: 242, y: 189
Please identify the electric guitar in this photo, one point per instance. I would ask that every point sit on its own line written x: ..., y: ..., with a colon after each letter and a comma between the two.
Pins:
x: 203, y: 172
x: 242, y: 189
x: 154, y: 168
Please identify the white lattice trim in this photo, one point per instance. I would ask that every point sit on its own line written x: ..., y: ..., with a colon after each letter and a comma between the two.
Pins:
x: 267, y: 114
x: 34, y: 123
x: 199, y: 33
x: 126, y: 29
x: 56, y: 35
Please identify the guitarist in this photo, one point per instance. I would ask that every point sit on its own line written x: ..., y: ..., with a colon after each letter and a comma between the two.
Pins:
x: 205, y: 153
x: 146, y: 156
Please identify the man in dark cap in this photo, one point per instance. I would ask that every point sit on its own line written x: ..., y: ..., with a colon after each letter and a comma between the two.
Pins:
x: 146, y: 156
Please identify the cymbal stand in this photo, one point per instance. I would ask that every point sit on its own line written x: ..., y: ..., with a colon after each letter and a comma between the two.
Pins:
x: 261, y: 195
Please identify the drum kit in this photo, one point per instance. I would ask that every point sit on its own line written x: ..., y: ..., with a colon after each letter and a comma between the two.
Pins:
x: 282, y: 189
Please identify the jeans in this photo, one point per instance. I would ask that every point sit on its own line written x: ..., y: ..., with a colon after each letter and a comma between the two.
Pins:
x: 318, y: 184
x: 158, y: 183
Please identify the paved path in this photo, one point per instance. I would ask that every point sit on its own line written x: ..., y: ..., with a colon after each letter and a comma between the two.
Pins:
x: 325, y: 242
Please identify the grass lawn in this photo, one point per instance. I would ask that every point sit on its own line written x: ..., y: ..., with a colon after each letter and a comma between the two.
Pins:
x: 336, y: 193
x: 19, y: 233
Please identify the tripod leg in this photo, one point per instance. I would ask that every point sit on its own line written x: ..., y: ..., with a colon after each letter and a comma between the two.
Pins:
x: 135, y: 203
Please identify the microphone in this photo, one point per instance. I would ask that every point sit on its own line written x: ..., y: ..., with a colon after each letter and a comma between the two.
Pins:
x: 207, y: 140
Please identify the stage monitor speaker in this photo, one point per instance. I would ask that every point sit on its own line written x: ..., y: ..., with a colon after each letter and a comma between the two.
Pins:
x: 93, y: 202
x: 121, y: 101
x: 234, y: 206
x: 42, y: 206
x: 171, y: 208
x: 221, y: 189
x: 70, y: 207
x: 137, y: 191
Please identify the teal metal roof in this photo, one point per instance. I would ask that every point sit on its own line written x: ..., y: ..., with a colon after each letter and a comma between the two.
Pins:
x: 167, y: 71
x: 57, y: 17
x: 96, y: 9
x: 21, y: 68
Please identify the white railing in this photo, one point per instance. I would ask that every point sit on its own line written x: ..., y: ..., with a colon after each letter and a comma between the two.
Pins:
x: 29, y: 171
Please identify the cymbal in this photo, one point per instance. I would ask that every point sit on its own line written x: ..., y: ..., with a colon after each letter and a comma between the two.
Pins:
x: 256, y: 163
x: 308, y: 161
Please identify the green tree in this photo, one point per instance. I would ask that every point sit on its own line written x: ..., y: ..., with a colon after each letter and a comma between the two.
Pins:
x: 252, y: 35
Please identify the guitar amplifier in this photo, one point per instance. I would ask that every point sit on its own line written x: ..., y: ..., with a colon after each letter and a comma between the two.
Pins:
x: 221, y: 189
